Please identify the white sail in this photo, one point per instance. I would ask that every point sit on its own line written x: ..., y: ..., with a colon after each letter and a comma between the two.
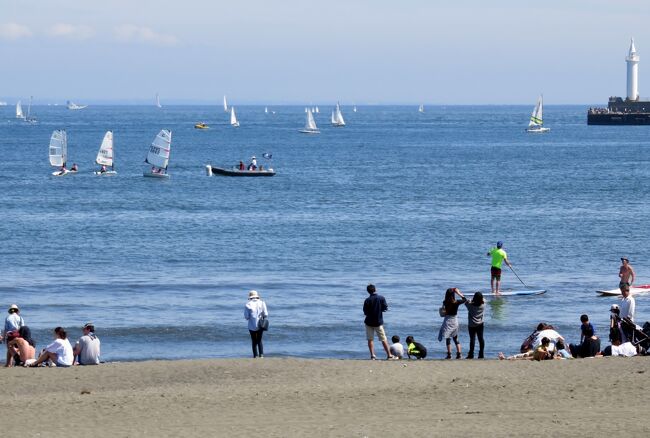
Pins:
x: 233, y: 117
x: 311, y: 123
x: 105, y: 154
x: 354, y: 109
x: 73, y: 106
x: 266, y: 110
x: 19, y: 111
x: 537, y: 117
x: 337, y: 116
x: 225, y: 104
x: 158, y: 101
x: 421, y: 108
x: 317, y: 110
x: 159, y: 150
x: 58, y: 148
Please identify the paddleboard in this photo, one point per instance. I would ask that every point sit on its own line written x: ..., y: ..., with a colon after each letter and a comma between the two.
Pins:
x: 634, y: 290
x: 511, y: 293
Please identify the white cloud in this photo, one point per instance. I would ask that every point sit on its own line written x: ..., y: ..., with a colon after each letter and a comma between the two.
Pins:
x: 14, y: 31
x: 129, y: 32
x: 63, y: 30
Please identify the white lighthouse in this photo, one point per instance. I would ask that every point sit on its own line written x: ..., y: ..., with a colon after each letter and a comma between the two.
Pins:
x: 632, y: 73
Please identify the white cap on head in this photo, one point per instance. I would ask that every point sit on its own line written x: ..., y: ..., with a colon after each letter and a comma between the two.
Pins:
x: 253, y: 294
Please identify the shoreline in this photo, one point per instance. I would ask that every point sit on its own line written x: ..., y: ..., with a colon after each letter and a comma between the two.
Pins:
x: 330, y: 397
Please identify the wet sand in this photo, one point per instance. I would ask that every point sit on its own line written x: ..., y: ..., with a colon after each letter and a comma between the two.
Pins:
x: 351, y: 398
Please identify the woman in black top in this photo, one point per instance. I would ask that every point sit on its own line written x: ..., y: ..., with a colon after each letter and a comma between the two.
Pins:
x: 449, y: 328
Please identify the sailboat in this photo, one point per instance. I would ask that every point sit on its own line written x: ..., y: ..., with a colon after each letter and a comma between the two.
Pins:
x: 225, y: 104
x: 421, y: 108
x: 310, y: 126
x: 105, y: 157
x: 29, y: 118
x: 536, y: 123
x: 73, y: 106
x: 19, y: 111
x: 233, y: 117
x: 59, y: 152
x: 158, y: 155
x: 354, y: 109
x: 266, y: 110
x: 337, y: 116
x: 158, y: 105
x: 317, y: 110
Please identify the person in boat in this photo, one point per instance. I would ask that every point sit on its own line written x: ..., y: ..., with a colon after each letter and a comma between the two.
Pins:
x: 253, y: 164
x: 103, y: 169
x: 625, y: 273
x: 74, y: 167
x: 241, y: 165
x: 62, y: 170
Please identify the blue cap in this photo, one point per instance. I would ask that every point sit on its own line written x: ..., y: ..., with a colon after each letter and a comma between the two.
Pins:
x: 499, y: 244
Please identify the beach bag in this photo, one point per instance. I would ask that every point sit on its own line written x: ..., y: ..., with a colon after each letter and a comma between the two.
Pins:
x: 442, y: 311
x: 263, y: 323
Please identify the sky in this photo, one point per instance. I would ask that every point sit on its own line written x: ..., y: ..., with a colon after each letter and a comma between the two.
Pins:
x: 295, y: 52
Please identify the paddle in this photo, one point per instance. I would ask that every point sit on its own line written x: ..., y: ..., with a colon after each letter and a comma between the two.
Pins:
x: 515, y: 272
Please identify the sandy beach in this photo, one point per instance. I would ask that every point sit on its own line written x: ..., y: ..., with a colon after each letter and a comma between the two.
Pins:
x: 297, y: 398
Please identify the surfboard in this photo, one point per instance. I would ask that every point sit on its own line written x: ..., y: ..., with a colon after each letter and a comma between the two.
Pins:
x: 634, y: 290
x: 514, y: 292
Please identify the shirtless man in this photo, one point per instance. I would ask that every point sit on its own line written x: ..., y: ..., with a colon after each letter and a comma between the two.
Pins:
x: 626, y: 274
x: 18, y: 345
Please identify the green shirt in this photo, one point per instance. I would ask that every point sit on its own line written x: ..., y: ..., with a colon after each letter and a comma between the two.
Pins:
x: 498, y: 256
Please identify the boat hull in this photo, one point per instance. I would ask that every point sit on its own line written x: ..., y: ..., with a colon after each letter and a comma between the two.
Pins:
x: 107, y: 173
x: 150, y: 174
x: 310, y: 131
x: 538, y: 130
x: 241, y: 173
x: 59, y: 173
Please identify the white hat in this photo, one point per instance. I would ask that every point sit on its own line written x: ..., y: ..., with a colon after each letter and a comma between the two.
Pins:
x: 253, y: 158
x: 614, y: 307
x: 14, y: 307
x: 253, y: 294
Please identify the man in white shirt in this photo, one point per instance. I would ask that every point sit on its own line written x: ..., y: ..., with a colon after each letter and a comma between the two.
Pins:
x: 628, y: 305
x: 87, y: 348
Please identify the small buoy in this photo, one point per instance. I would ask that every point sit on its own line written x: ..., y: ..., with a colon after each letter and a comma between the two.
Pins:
x: 208, y: 169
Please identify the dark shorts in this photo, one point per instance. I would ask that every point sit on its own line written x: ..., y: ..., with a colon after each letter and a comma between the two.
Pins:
x: 496, y: 272
x: 623, y: 284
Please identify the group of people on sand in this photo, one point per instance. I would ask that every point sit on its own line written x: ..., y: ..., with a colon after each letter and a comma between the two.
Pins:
x: 21, y: 347
x: 375, y: 305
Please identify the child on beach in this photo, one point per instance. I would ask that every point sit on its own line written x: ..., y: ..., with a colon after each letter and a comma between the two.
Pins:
x: 543, y: 352
x: 415, y: 349
x: 396, y: 348
x: 584, y: 326
x: 475, y: 309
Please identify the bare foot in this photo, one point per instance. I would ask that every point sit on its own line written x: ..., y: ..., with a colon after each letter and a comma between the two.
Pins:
x: 502, y: 356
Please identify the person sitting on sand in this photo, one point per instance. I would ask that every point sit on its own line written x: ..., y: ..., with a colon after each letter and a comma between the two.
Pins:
x: 552, y: 335
x: 543, y: 351
x: 415, y: 349
x: 22, y: 348
x: 58, y: 352
x: 396, y: 348
x: 589, y: 347
x: 87, y: 348
x: 618, y: 348
x: 584, y: 325
x: 449, y: 328
x: 561, y: 351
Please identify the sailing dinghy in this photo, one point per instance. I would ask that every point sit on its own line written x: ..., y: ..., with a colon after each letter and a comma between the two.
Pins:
x: 421, y: 108
x: 73, y: 106
x: 225, y: 104
x: 158, y: 105
x: 59, y: 152
x: 105, y: 156
x: 310, y: 126
x: 158, y: 155
x: 536, y: 123
x: 233, y: 117
x: 337, y: 116
x: 19, y: 111
x: 29, y: 118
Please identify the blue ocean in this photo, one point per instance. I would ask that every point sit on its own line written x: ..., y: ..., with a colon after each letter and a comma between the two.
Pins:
x: 410, y: 202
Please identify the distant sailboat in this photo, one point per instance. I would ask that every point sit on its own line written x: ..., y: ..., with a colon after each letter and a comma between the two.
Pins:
x: 337, y: 116
x: 105, y: 156
x: 317, y: 110
x: 421, y: 108
x: 29, y: 118
x: 158, y: 105
x: 310, y: 126
x: 19, y: 111
x: 73, y: 106
x: 233, y: 117
x: 354, y: 108
x: 59, y: 152
x: 158, y: 155
x: 225, y: 104
x: 266, y: 110
x: 536, y: 123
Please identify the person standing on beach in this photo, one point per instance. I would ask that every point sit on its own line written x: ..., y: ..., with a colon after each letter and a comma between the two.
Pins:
x: 475, y: 310
x: 498, y: 257
x: 625, y: 274
x: 449, y: 328
x: 373, y: 308
x: 13, y: 321
x: 254, y: 310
